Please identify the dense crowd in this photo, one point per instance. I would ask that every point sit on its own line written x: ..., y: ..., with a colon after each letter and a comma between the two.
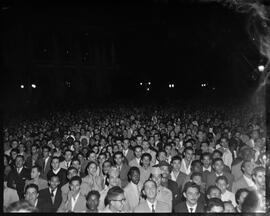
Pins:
x: 192, y: 158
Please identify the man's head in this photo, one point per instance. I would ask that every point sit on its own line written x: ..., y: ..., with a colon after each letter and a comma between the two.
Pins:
x: 101, y: 158
x: 114, y: 176
x: 215, y: 205
x: 161, y: 155
x: 76, y: 163
x: 115, y: 198
x: 75, y: 184
x: 146, y: 159
x: 150, y: 189
x: 196, y: 177
x: 68, y: 154
x: 118, y: 158
x: 240, y: 196
x: 92, y: 200
x: 138, y: 151
x: 145, y: 145
x: 19, y: 161
x: 224, y: 142
x: 176, y: 163
x: 258, y: 176
x: 206, y: 160
x: 222, y: 183
x: 191, y: 192
x: 35, y: 172
x: 196, y: 166
x: 31, y: 193
x: 46, y: 151
x: 71, y: 172
x: 55, y: 163
x: 91, y: 155
x: 247, y: 167
x: 126, y: 143
x: 54, y: 181
x: 218, y: 165
x: 91, y: 168
x: 134, y: 175
x: 156, y: 175
x: 188, y: 152
x: 106, y: 167
x: 204, y: 146
x: 216, y: 154
x: 213, y: 192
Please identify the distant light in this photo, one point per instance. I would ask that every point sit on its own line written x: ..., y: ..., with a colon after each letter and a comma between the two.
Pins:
x: 172, y: 85
x: 261, y: 68
x: 149, y: 83
x: 148, y: 89
x: 141, y: 84
x: 67, y: 52
x: 203, y: 85
x: 45, y: 50
x: 33, y: 85
x: 213, y: 88
x: 22, y: 86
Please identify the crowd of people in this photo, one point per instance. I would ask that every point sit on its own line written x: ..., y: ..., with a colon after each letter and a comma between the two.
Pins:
x: 193, y: 158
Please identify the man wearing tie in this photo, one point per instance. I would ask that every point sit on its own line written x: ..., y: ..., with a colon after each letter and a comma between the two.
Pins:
x: 207, y: 165
x: 132, y: 190
x: 192, y: 193
x: 68, y: 154
x: 151, y: 204
x: 45, y: 162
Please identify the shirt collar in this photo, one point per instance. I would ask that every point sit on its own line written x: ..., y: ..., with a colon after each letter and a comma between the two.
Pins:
x: 209, y: 169
x: 56, y: 171
x: 193, y: 207
x: 36, y: 203
x: 150, y: 205
x: 76, y: 198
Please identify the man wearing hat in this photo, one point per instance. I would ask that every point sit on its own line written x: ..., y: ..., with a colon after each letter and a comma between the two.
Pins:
x: 168, y: 183
x: 163, y: 193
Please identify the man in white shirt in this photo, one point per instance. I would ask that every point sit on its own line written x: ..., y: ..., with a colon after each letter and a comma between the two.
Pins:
x: 227, y: 155
x: 186, y: 162
x: 68, y: 158
x: 138, y: 153
x: 146, y: 149
x: 258, y: 176
x: 222, y: 184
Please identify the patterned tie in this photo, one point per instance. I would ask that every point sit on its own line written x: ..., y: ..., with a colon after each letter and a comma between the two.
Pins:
x: 153, y: 208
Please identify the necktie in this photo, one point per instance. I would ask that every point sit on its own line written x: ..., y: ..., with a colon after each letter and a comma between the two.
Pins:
x: 191, y: 209
x: 18, y: 170
x: 44, y: 164
x: 52, y: 196
x: 153, y: 209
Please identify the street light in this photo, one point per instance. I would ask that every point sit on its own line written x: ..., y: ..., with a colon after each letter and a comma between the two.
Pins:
x: 22, y: 86
x: 33, y: 85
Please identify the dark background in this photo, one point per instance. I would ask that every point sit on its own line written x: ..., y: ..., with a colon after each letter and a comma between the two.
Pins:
x: 78, y: 55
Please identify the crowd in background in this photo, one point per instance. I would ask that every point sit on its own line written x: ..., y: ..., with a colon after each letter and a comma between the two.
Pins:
x: 192, y: 158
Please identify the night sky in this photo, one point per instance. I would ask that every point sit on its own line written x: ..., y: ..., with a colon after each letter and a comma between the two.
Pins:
x: 184, y: 44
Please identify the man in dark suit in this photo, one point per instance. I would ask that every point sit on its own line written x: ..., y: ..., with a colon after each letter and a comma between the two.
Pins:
x: 123, y: 167
x: 33, y: 158
x: 52, y: 195
x: 62, y: 173
x: 127, y: 152
x: 218, y: 166
x: 192, y: 193
x: 45, y: 162
x: 206, y: 160
x: 17, y: 176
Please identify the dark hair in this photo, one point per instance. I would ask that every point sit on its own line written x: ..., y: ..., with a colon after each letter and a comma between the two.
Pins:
x: 257, y: 169
x: 195, y: 174
x: 251, y: 202
x: 68, y: 150
x: 145, y: 155
x: 39, y: 169
x: 222, y: 178
x: 138, y: 146
x: 21, y: 156
x: 93, y: 192
x: 193, y: 163
x: 52, y: 176
x: 239, y: 192
x: 217, y: 159
x: 75, y: 178
x: 112, y: 193
x: 210, y: 188
x: 88, y: 165
x: 21, y: 205
x: 118, y: 153
x: 15, y: 150
x: 176, y: 157
x: 217, y: 151
x: 206, y: 154
x: 160, y: 151
x: 31, y: 186
x: 131, y: 171
x: 76, y: 159
x: 55, y: 157
x: 188, y: 148
x: 191, y: 185
x: 46, y: 147
x: 90, y: 152
x: 214, y: 202
x: 71, y: 168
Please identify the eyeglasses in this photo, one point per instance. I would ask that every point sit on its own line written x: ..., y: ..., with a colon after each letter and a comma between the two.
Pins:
x: 122, y: 200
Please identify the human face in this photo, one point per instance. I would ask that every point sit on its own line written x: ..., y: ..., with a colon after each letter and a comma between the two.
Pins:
x: 216, y: 209
x: 260, y: 179
x: 68, y: 156
x: 145, y: 146
x: 34, y: 149
x: 101, y: 159
x: 176, y: 165
x: 92, y: 157
x: 229, y: 208
x: 189, y: 155
x: 14, y: 144
x: 93, y: 202
x: 106, y: 167
x: 248, y: 168
x: 222, y: 185
x: 31, y: 195
x: 224, y: 143
x: 19, y: 162
x: 219, y: 166
x: 92, y: 169
x: 165, y: 171
x: 138, y: 152
x: 157, y: 179
x: 146, y: 161
x: 75, y: 187
x: 118, y: 159
x: 45, y: 153
x: 168, y: 149
x: 214, y: 193
x: 54, y: 182
x: 204, y: 147
x: 139, y: 140
x: 150, y: 190
x: 72, y: 173
x: 125, y: 144
x: 197, y: 167
x: 135, y: 177
x: 76, y: 164
x: 114, y: 180
x: 13, y: 154
x: 198, y: 180
x: 115, y: 148
x: 206, y: 161
x: 192, y: 195
x: 162, y: 156
x: 55, y: 164
x: 34, y: 173
x: 21, y: 148
x: 118, y: 202
x: 242, y: 197
x: 96, y: 150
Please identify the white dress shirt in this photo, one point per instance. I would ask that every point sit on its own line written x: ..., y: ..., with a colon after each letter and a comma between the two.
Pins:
x: 249, y: 182
x: 184, y: 168
x: 193, y: 208
x: 151, y: 204
x: 173, y: 176
x: 228, y: 196
x: 74, y: 201
x: 209, y: 169
x: 56, y: 171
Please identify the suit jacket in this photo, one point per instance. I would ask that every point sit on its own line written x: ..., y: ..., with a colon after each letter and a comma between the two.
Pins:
x: 46, y: 197
x: 181, y: 179
x: 123, y: 175
x: 132, y: 195
x: 62, y: 176
x: 240, y: 183
x: 130, y: 155
x: 182, y: 208
x: 63, y: 164
x: 80, y: 205
x: 42, y: 183
x: 211, y: 178
x: 85, y: 189
x: 19, y: 179
x: 161, y: 207
x: 45, y: 169
x: 176, y: 193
